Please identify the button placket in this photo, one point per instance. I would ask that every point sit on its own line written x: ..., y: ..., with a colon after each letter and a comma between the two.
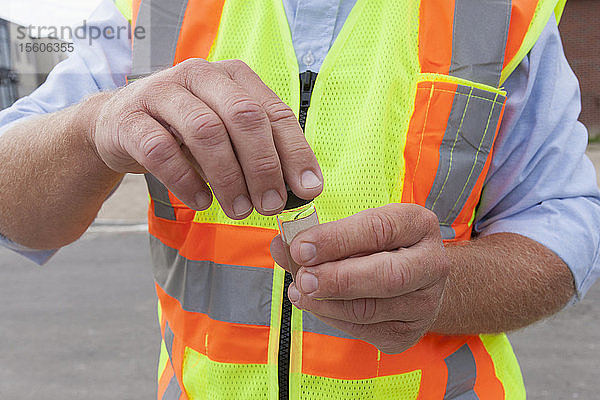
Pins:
x: 313, y: 31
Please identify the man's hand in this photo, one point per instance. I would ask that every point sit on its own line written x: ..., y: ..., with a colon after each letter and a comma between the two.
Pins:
x: 378, y: 275
x: 215, y: 123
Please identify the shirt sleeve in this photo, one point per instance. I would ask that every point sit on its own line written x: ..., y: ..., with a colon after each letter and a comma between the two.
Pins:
x: 540, y: 183
x: 95, y: 65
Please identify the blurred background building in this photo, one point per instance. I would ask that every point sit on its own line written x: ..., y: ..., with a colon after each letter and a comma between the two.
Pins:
x: 22, y: 71
x: 8, y: 81
x: 580, y: 30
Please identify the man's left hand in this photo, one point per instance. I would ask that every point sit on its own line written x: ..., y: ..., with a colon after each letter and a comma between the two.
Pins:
x: 378, y: 275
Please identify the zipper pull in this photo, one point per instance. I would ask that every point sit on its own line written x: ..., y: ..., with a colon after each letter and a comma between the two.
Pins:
x: 307, y: 84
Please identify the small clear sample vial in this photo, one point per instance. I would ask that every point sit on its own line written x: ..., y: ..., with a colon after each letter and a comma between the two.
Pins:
x: 297, y: 216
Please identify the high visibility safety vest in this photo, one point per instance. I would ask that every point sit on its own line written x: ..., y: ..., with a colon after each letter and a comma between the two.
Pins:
x: 405, y: 108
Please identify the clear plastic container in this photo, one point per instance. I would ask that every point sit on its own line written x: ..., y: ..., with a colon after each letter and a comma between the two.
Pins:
x: 292, y: 222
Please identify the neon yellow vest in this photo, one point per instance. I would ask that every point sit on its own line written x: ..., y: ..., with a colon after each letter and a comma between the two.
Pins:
x: 386, y: 127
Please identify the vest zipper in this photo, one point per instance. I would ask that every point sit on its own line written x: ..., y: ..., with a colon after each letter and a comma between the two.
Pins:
x: 307, y: 84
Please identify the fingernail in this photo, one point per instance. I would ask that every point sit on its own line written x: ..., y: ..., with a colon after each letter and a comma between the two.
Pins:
x: 203, y: 200
x: 241, y: 205
x: 271, y: 201
x: 310, y: 180
x: 293, y: 294
x: 308, y: 283
x: 308, y: 251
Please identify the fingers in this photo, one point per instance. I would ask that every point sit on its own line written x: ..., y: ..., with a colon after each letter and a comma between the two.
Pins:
x: 234, y: 131
x: 408, y: 308
x: 249, y: 130
x: 381, y: 229
x: 380, y: 275
x: 159, y: 153
x: 299, y: 164
x: 392, y: 325
x: 207, y: 140
x: 278, y: 252
x: 390, y: 337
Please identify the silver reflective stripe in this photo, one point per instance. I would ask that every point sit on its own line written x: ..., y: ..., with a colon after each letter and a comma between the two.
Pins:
x: 310, y: 323
x: 447, y: 232
x: 160, y: 195
x: 467, y: 141
x: 168, y: 339
x: 161, y: 21
x: 479, y: 39
x: 228, y: 293
x: 173, y: 391
x: 461, y: 375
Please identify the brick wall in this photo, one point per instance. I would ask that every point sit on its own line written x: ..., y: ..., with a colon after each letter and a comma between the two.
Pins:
x: 580, y: 31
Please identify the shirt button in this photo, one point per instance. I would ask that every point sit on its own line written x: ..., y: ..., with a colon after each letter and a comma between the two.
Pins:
x: 308, y: 59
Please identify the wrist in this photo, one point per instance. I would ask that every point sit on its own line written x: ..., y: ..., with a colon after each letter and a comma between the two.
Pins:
x: 448, y: 318
x: 85, y: 116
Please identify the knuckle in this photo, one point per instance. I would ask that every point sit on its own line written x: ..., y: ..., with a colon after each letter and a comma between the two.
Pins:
x: 190, y: 70
x: 229, y: 178
x: 297, y: 152
x: 206, y: 128
x: 394, y: 274
x: 247, y: 112
x: 297, y: 149
x: 279, y: 112
x: 342, y: 282
x: 192, y: 63
x: 380, y: 226
x: 180, y: 177
x: 360, y: 310
x: 126, y: 119
x: 265, y: 164
x: 153, y: 87
x: 237, y: 65
x: 156, y: 148
x: 152, y: 93
x: 339, y: 239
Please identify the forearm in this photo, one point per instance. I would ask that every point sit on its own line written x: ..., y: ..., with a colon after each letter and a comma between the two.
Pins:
x: 53, y: 183
x: 500, y: 283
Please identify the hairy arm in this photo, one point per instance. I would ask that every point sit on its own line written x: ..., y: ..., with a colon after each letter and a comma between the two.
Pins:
x: 501, y: 282
x: 53, y: 186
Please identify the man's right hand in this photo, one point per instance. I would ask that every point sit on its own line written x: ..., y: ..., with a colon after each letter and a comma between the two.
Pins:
x: 217, y: 123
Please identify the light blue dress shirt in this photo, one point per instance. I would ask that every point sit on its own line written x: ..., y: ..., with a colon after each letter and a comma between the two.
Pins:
x: 540, y: 183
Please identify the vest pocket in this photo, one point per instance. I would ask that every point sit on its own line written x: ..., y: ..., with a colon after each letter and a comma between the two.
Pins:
x: 449, y: 146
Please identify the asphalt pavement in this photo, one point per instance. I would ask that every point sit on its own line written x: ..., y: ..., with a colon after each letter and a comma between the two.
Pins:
x: 84, y: 325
